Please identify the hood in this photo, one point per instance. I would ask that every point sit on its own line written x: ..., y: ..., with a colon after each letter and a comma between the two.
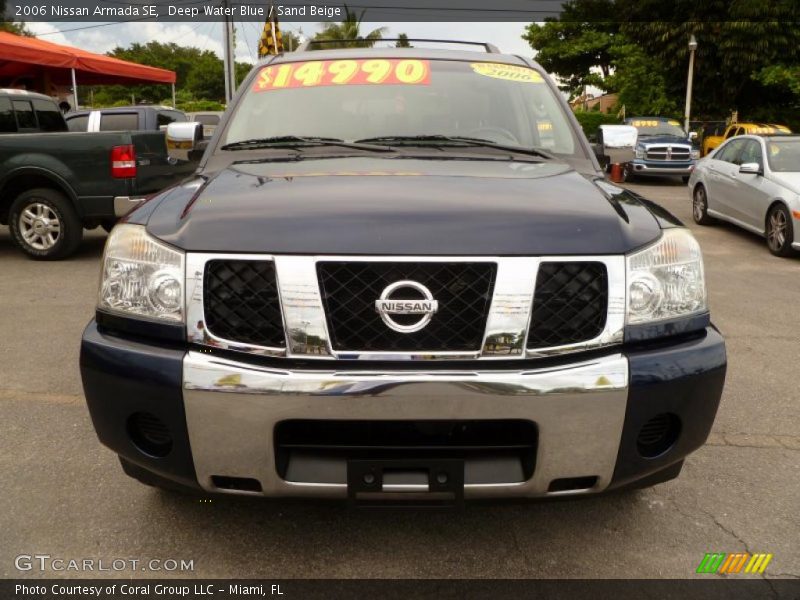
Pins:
x: 400, y: 207
x: 664, y: 139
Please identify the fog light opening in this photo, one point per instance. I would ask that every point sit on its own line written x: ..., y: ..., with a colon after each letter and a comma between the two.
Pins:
x: 658, y: 435
x: 150, y: 434
x: 239, y: 484
x: 572, y: 484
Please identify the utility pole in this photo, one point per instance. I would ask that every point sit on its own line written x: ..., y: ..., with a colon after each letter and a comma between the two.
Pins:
x: 688, y: 110
x: 229, y: 60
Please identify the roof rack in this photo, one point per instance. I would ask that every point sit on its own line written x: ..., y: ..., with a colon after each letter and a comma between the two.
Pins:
x: 305, y: 46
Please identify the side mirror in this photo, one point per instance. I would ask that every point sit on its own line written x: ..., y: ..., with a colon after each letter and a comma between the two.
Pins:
x: 751, y: 169
x: 184, y: 139
x: 692, y: 135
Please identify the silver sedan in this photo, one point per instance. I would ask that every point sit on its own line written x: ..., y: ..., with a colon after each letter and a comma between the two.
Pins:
x: 754, y: 183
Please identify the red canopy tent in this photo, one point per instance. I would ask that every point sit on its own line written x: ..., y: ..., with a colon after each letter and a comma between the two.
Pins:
x: 31, y: 58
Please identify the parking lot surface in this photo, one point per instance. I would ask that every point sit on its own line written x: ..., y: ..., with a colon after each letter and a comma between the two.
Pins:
x: 65, y: 495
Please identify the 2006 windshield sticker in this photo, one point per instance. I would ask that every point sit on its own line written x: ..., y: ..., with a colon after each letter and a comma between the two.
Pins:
x: 507, y: 72
x: 316, y: 73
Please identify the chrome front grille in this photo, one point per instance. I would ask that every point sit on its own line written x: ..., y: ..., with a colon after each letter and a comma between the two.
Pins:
x: 570, y: 303
x: 668, y: 153
x: 241, y: 303
x: 463, y: 291
x: 324, y: 307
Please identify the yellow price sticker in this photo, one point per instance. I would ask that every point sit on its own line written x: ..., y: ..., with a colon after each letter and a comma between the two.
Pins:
x: 507, y: 72
x: 314, y: 73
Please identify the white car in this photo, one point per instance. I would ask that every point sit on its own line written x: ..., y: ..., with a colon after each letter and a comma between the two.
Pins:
x: 753, y: 182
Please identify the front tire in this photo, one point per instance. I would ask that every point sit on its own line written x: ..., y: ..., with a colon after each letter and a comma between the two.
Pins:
x: 627, y: 173
x: 44, y: 224
x: 700, y: 206
x: 779, y: 232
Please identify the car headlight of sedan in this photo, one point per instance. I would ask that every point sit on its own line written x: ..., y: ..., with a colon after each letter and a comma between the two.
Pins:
x: 639, y: 153
x: 142, y: 277
x: 666, y: 280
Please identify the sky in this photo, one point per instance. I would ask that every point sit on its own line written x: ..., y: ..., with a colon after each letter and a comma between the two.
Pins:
x: 208, y: 35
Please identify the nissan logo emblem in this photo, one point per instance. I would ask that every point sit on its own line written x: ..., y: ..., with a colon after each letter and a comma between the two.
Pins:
x: 388, y: 305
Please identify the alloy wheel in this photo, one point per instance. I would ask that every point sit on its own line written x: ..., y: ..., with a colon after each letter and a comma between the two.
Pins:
x: 39, y: 226
x: 776, y: 231
x: 699, y: 204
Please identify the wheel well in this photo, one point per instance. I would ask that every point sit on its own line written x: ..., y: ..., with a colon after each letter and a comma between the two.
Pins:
x: 699, y: 184
x: 20, y: 183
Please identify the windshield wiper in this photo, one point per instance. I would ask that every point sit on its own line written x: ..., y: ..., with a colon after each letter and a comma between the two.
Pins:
x: 296, y: 142
x: 454, y: 140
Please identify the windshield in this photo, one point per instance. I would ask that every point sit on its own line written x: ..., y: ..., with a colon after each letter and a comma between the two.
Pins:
x: 390, y: 98
x: 784, y: 155
x: 658, y: 127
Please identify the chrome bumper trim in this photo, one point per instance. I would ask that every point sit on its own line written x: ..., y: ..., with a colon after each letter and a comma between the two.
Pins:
x: 232, y: 409
x: 125, y: 204
x: 640, y: 168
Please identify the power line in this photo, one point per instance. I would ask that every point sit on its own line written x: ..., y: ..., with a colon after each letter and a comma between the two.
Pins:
x: 215, y: 5
x: 144, y: 18
x: 90, y: 27
x: 247, y: 42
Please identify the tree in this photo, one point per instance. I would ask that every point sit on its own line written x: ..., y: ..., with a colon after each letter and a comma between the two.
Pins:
x: 728, y: 54
x: 576, y: 46
x: 349, y: 29
x: 402, y: 41
x: 290, y: 40
x: 199, y: 75
x: 639, y: 83
x: 746, y: 55
x: 9, y: 25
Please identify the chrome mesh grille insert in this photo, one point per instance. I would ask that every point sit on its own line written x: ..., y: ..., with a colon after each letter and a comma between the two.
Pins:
x: 668, y: 153
x: 462, y: 289
x: 241, y: 302
x: 570, y: 303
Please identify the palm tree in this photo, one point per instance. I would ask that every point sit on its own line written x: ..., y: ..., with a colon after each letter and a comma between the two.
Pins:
x: 349, y: 29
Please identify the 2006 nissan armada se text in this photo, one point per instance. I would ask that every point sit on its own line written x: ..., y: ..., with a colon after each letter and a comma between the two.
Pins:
x: 399, y: 276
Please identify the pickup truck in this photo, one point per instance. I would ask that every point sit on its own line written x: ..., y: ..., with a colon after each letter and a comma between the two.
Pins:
x: 54, y: 183
x: 381, y: 286
x: 125, y: 118
x: 711, y: 142
x: 208, y: 119
x: 663, y: 148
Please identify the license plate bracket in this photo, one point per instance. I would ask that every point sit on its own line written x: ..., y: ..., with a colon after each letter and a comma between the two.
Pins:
x: 370, y: 483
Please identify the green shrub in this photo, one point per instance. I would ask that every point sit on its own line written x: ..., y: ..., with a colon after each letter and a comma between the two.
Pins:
x: 591, y: 120
x: 200, y: 105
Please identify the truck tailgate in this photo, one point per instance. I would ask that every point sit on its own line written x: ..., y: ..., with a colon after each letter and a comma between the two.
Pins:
x: 155, y: 169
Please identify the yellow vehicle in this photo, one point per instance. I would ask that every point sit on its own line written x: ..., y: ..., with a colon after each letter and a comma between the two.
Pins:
x: 712, y: 141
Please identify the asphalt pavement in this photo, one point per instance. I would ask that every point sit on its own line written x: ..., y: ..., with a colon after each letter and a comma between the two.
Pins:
x: 64, y: 495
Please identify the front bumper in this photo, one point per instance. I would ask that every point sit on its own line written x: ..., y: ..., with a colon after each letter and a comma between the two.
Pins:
x: 125, y: 204
x: 643, y: 168
x: 222, y: 413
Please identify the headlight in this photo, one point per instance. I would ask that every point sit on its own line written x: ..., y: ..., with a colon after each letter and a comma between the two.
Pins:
x: 695, y: 154
x: 666, y: 280
x: 141, y: 276
x: 639, y: 152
